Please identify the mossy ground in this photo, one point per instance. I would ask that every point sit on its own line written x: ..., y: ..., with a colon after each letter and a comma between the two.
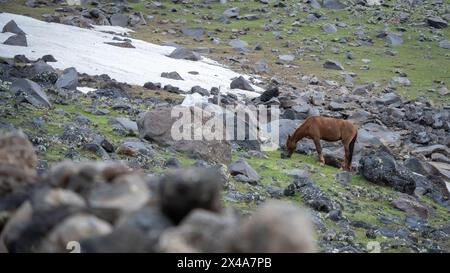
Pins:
x: 424, y: 62
x: 359, y: 204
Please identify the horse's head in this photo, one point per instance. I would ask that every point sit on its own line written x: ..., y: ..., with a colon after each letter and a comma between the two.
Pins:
x: 290, y: 147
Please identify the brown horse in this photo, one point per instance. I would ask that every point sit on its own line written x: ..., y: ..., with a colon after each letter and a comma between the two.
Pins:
x: 328, y: 129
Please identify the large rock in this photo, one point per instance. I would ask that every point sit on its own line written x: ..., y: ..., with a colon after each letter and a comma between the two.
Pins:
x: 81, y: 177
x: 183, y: 190
x: 238, y: 44
x: 333, y: 4
x: 381, y: 168
x: 310, y: 193
x: 136, y: 232
x: 232, y: 12
x: 172, y: 75
x: 437, y: 22
x: 32, y: 91
x: 391, y: 38
x: 372, y: 134
x: 69, y: 79
x: 274, y: 227
x: 428, y: 150
x: 16, y: 40
x: 330, y: 64
x: 47, y: 199
x: 269, y: 93
x: 193, y: 32
x: 433, y: 179
x: 444, y: 44
x: 200, y: 231
x: 124, y: 123
x: 18, y: 163
x: 329, y: 28
x: 156, y: 126
x: 410, y: 205
x: 185, y: 54
x: 12, y: 27
x: 241, y: 83
x: 241, y: 167
x: 118, y: 19
x: 74, y: 228
x: 125, y: 193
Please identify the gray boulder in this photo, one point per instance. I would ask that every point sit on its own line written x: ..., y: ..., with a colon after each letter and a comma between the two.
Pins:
x: 201, y: 231
x: 185, y: 54
x: 16, y: 40
x: 118, y: 19
x: 329, y: 28
x: 274, y: 227
x: 193, y: 32
x: 12, y: 27
x: 333, y: 4
x: 156, y: 126
x: 124, y: 123
x: 330, y: 64
x: 381, y: 168
x: 68, y: 80
x: 238, y: 44
x: 241, y: 166
x: 172, y: 75
x: 182, y: 190
x: 33, y: 92
x: 241, y: 83
x: 232, y: 12
x: 436, y: 22
x: 444, y: 44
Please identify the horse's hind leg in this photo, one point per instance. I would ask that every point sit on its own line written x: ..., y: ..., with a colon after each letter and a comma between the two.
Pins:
x: 319, y: 151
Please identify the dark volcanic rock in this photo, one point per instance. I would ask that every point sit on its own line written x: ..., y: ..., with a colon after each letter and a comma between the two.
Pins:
x: 119, y: 20
x: 32, y: 91
x: 12, y: 27
x: 241, y: 83
x: 16, y: 40
x: 183, y: 190
x: 201, y: 231
x: 152, y: 86
x: 68, y: 80
x: 186, y: 54
x: 172, y: 75
x: 269, y: 93
x: 410, y: 205
x: 310, y: 193
x: 437, y: 22
x: 330, y: 64
x: 333, y: 4
x: 193, y: 32
x: 241, y: 167
x: 381, y: 168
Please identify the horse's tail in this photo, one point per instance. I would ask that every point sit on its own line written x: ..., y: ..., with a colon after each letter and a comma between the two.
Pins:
x: 351, y: 146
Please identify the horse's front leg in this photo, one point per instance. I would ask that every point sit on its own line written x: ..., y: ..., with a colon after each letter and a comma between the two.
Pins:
x: 319, y: 151
x: 346, y: 164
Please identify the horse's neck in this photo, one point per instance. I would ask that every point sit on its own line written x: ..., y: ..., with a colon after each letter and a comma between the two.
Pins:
x: 299, y: 133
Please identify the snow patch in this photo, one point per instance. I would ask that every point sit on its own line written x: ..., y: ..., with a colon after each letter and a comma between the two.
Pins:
x: 85, y: 90
x: 85, y: 49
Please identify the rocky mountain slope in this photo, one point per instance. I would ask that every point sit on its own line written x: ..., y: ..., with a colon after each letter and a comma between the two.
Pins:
x: 382, y: 66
